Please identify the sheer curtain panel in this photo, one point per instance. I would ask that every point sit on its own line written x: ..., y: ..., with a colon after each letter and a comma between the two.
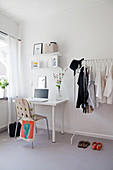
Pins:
x: 13, y: 76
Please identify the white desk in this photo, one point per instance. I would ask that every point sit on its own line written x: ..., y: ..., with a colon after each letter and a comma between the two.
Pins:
x: 53, y: 104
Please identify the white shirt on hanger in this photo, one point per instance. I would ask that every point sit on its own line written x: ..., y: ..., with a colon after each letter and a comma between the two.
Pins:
x: 108, y: 92
x: 91, y: 89
x: 100, y: 85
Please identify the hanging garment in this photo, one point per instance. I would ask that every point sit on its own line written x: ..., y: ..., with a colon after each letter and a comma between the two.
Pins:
x: 85, y: 84
x: 80, y: 99
x: 108, y: 92
x: 76, y: 87
x: 100, y: 86
x: 103, y: 83
x: 82, y: 90
x: 91, y: 89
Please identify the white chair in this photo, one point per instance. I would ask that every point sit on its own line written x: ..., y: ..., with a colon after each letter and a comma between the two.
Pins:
x: 23, y: 111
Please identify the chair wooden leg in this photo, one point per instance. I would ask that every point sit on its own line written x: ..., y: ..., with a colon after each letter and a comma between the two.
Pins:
x: 47, y: 128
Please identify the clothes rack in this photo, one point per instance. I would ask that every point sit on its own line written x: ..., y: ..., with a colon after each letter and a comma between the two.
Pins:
x: 85, y: 61
x: 98, y: 59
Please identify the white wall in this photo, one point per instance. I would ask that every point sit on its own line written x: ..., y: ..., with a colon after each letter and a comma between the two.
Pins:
x: 8, y: 26
x: 87, y: 32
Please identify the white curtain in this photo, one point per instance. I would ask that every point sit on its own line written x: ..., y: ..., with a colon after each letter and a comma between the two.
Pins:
x: 13, y: 76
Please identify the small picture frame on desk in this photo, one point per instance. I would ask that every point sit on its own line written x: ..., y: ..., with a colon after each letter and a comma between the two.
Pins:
x: 37, y: 48
x: 54, y: 61
x: 42, y: 82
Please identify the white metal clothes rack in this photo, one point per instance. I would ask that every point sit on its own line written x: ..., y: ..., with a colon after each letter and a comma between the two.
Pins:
x: 85, y: 62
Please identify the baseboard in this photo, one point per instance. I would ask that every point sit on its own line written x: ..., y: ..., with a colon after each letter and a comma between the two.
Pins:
x: 96, y: 135
x: 3, y: 129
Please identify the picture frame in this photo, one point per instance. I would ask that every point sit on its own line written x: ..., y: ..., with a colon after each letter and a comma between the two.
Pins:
x: 35, y: 64
x: 54, y: 61
x: 42, y: 82
x: 37, y: 48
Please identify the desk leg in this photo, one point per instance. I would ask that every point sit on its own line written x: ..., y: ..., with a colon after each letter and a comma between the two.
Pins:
x: 62, y: 120
x: 53, y: 124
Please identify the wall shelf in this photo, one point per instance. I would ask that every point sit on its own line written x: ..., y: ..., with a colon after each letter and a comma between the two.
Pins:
x: 48, y: 68
x: 47, y: 55
x: 46, y: 61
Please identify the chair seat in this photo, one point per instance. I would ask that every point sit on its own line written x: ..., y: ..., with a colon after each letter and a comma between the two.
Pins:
x: 39, y: 117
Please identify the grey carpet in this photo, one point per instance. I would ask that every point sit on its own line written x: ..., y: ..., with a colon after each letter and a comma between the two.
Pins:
x: 18, y: 154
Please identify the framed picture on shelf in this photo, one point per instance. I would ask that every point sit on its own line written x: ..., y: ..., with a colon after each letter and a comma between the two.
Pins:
x: 54, y: 61
x: 37, y: 48
x: 35, y: 64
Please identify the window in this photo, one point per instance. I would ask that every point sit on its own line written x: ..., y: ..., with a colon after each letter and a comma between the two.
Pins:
x: 3, y: 60
x: 3, y: 57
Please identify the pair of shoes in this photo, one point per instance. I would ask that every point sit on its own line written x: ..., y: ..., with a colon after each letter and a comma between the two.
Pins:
x: 96, y: 146
x: 83, y: 144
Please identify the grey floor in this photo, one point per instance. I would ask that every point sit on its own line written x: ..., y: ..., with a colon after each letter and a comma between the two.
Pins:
x: 18, y: 154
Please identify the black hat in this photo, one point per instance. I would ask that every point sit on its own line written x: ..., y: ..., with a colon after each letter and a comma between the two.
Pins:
x: 75, y: 63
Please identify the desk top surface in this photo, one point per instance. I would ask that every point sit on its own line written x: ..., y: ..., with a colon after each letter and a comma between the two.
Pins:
x: 49, y: 102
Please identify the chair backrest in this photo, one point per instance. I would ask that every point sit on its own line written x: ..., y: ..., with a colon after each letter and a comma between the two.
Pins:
x: 22, y: 106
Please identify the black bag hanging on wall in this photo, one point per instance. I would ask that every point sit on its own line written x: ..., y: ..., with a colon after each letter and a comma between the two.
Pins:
x: 12, y: 128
